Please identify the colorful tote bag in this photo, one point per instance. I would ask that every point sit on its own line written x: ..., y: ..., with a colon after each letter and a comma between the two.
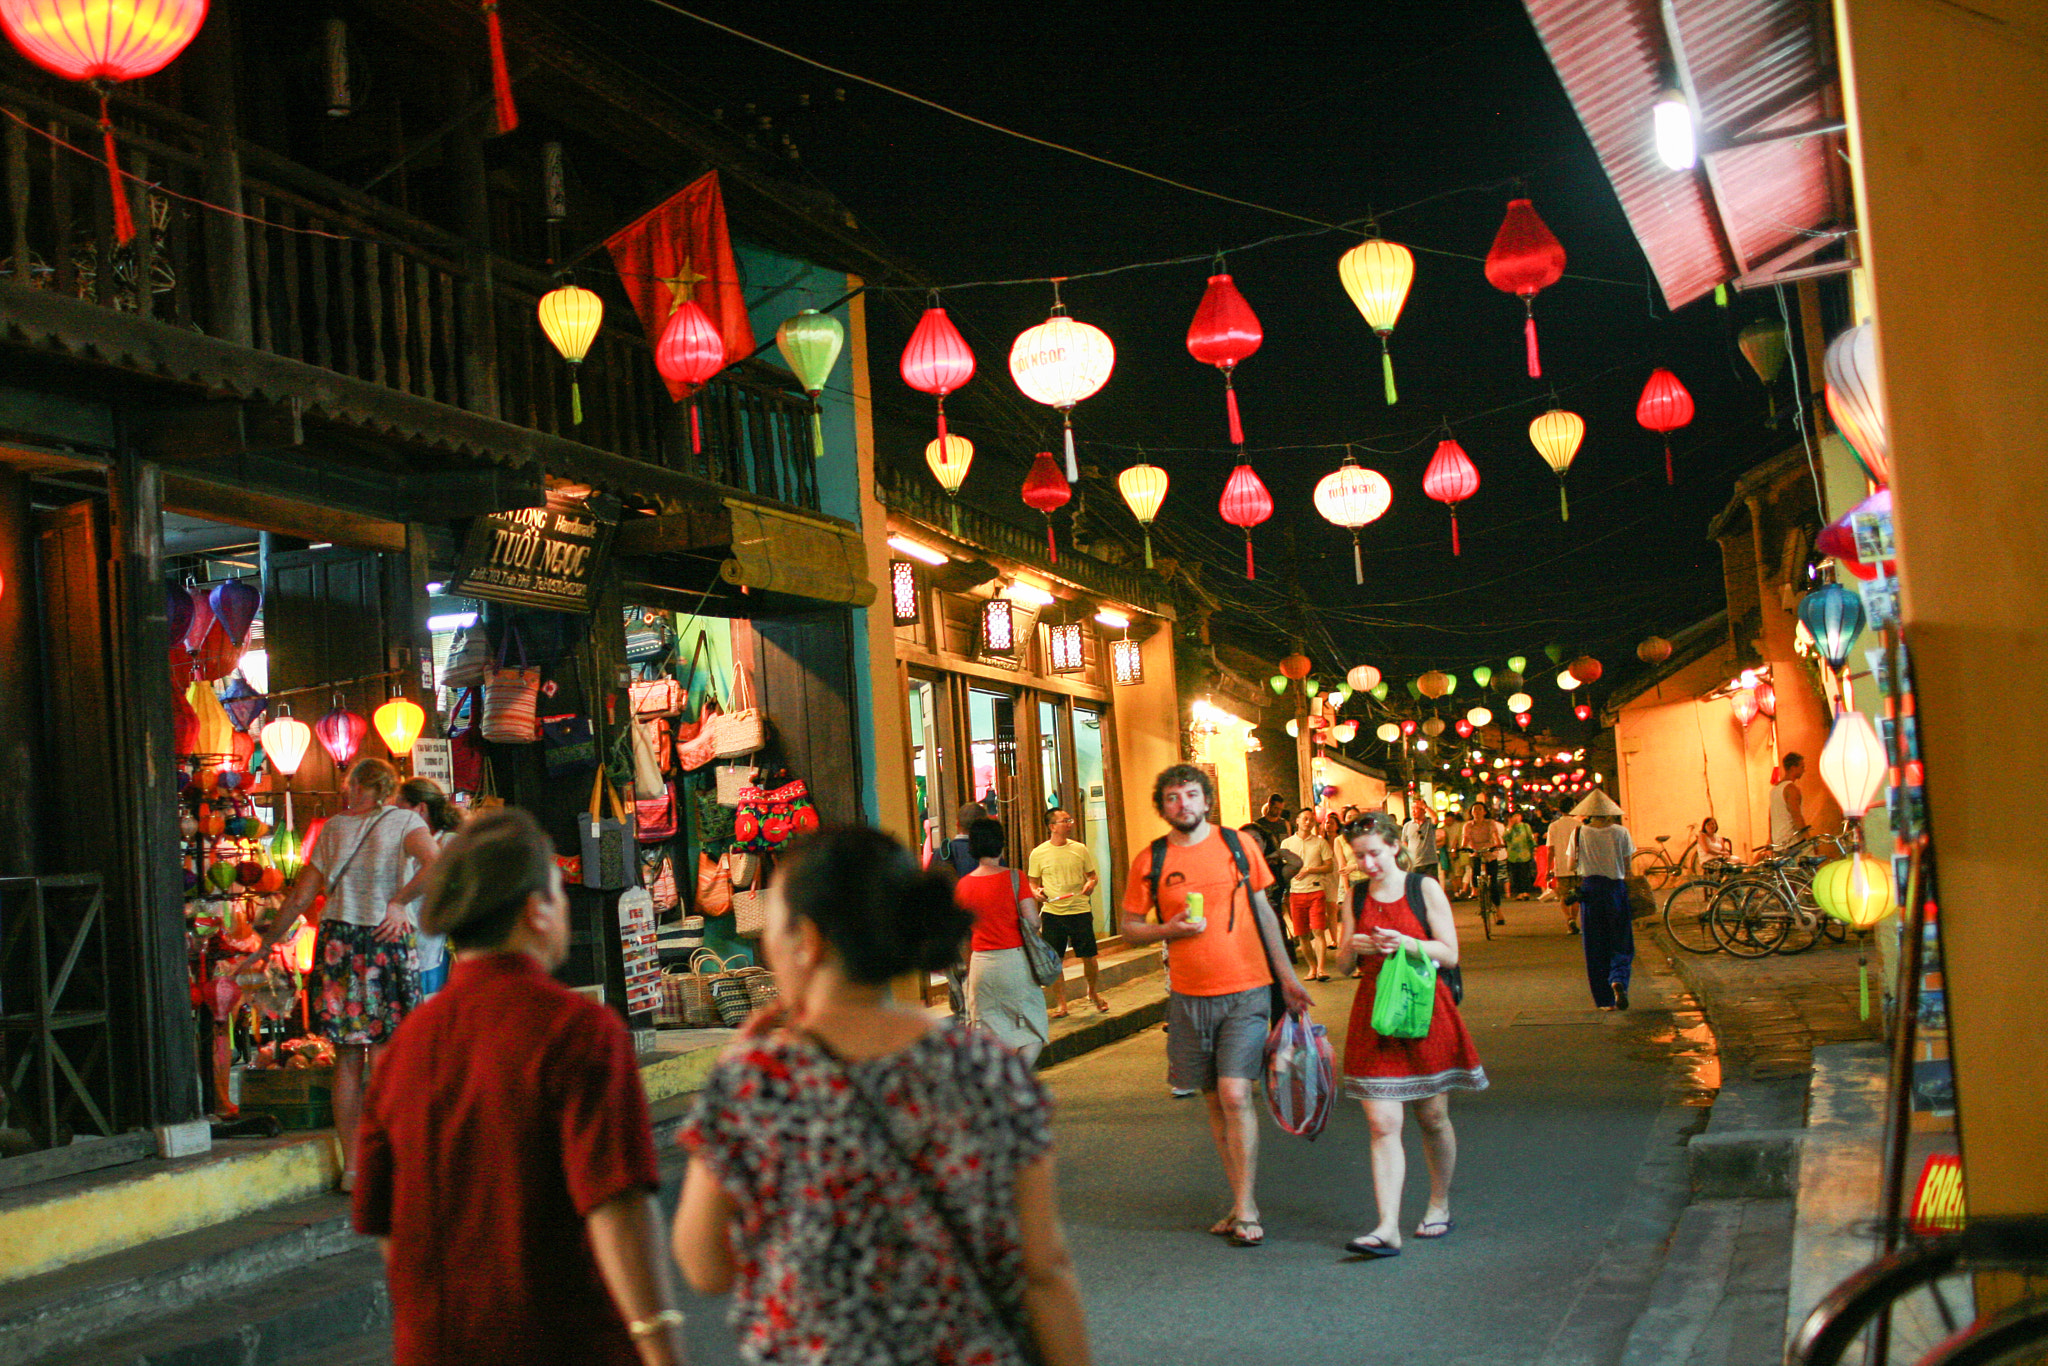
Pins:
x: 512, y: 698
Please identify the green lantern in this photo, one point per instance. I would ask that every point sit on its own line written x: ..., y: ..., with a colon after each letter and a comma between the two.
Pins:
x: 1313, y: 686
x: 1343, y: 693
x: 1415, y: 689
x: 810, y: 343
x: 1450, y: 684
x: 1556, y: 652
x: 1518, y: 664
x: 1278, y: 683
x: 285, y: 854
x: 1482, y: 675
x: 1380, y: 691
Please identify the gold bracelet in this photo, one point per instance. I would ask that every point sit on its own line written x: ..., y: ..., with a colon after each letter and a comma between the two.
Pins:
x: 654, y: 1323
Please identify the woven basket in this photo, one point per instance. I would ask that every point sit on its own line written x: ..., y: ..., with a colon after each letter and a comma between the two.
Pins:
x: 761, y: 987
x: 729, y: 996
x: 673, y: 1011
x: 699, y: 1012
x: 749, y: 913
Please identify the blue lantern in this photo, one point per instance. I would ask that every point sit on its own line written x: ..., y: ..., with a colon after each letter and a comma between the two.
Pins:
x: 1833, y: 616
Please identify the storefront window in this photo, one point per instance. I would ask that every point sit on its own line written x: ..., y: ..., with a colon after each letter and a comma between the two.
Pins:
x: 1050, y: 768
x: 1091, y: 783
x: 924, y: 754
x: 992, y: 749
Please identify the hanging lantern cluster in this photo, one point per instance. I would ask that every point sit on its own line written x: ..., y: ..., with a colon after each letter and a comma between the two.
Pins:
x: 1047, y: 490
x: 1664, y: 407
x: 1450, y: 479
x: 1352, y: 497
x: 1224, y: 333
x: 1525, y: 259
x: 1059, y: 363
x: 1377, y: 276
x: 1556, y: 435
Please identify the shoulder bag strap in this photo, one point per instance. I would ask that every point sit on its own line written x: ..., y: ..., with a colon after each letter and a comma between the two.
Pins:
x: 1417, y: 906
x: 334, y: 882
x: 1244, y: 877
x: 1158, y: 867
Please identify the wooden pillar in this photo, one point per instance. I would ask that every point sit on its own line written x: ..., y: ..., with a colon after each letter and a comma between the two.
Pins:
x: 20, y: 692
x: 227, y: 237
x: 478, y: 326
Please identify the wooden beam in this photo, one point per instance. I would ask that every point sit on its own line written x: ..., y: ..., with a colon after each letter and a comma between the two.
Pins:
x: 187, y: 433
x: 693, y: 527
x: 239, y: 506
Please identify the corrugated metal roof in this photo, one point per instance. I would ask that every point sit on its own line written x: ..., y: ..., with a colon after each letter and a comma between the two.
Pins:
x: 1755, y: 67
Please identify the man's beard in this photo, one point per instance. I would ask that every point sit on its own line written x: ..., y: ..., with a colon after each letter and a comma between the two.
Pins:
x: 1187, y: 821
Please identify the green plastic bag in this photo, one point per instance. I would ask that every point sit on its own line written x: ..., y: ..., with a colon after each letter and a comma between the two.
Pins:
x: 1405, y: 999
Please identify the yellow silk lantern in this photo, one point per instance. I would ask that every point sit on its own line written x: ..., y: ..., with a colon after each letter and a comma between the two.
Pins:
x: 1144, y: 489
x: 1376, y: 275
x: 1556, y: 436
x: 1858, y: 892
x: 571, y: 316
x: 399, y: 722
x: 950, y: 457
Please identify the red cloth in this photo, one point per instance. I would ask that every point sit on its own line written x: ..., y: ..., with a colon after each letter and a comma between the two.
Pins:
x: 992, y: 901
x: 1446, y: 1048
x: 683, y: 239
x: 1542, y: 865
x: 504, y: 1111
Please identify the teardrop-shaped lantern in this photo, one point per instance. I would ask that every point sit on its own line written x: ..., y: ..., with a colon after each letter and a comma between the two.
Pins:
x: 1742, y: 702
x: 1833, y: 616
x: 570, y: 318
x: 341, y: 734
x: 810, y: 342
x: 1556, y: 435
x: 285, y: 740
x: 937, y: 359
x: 1351, y: 497
x: 234, y: 605
x: 1762, y: 344
x: 1225, y: 332
x: 1664, y: 407
x: 949, y: 458
x: 690, y: 353
x: 1046, y: 489
x: 1525, y: 259
x: 1144, y: 489
x: 1450, y: 479
x: 1855, y: 398
x: 1377, y: 275
x: 199, y: 620
x: 1059, y: 363
x: 1245, y: 503
x: 398, y: 724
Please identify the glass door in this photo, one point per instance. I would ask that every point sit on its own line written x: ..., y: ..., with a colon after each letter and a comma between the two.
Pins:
x: 992, y: 760
x: 1092, y: 808
x: 1052, y: 759
x: 926, y: 757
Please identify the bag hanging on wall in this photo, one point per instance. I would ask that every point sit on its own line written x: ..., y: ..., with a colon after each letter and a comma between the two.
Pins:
x: 714, y: 885
x: 769, y: 818
x: 646, y: 641
x: 733, y: 779
x: 512, y: 698
x: 744, y: 729
x: 550, y: 636
x: 469, y: 657
x: 714, y: 818
x: 686, y: 729
x: 745, y: 870
x: 568, y: 745
x: 749, y: 912
x: 466, y: 746
x: 655, y: 697
x: 656, y: 816
x: 1038, y: 955
x: 610, y: 861
x: 647, y: 774
x: 659, y: 878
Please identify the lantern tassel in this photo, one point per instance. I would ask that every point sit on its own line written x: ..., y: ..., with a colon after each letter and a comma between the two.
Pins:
x: 817, y: 431
x: 696, y: 431
x: 1667, y: 461
x: 124, y: 217
x: 501, y: 79
x: 1230, y: 402
x: 1357, y: 561
x: 1387, y: 369
x: 1454, y: 532
x: 1529, y: 338
x: 942, y: 417
x: 1564, y: 507
x: 1148, y: 547
x: 1073, y: 465
x: 1863, y: 975
x: 575, y: 398
x: 1248, y: 554
x: 1052, y: 546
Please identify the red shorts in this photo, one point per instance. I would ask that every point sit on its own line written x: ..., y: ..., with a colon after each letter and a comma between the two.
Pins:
x: 1306, y: 910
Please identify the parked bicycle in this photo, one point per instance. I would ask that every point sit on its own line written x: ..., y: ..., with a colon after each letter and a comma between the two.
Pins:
x: 1770, y: 907
x: 1685, y: 910
x: 1658, y: 868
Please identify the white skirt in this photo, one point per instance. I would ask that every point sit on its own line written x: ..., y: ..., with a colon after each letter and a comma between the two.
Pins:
x: 1002, y: 998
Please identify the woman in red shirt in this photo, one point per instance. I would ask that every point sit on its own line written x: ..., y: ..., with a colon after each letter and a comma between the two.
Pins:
x: 1001, y: 997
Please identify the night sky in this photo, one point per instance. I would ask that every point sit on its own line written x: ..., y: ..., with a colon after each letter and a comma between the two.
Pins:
x: 1426, y: 115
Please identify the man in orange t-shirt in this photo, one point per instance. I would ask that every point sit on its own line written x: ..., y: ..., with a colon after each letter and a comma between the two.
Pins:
x: 1228, y: 949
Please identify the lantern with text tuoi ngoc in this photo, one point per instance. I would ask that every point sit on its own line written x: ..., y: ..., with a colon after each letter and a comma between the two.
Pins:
x: 1525, y: 259
x: 101, y: 42
x: 810, y: 343
x: 1664, y: 407
x: 691, y: 352
x: 1450, y: 479
x: 1855, y: 398
x: 570, y: 318
x: 1059, y: 363
x: 1245, y: 503
x: 1377, y: 275
x: 1144, y: 489
x: 950, y: 457
x: 1224, y: 333
x: 1047, y: 490
x: 1557, y: 435
x: 1351, y: 497
x: 937, y: 360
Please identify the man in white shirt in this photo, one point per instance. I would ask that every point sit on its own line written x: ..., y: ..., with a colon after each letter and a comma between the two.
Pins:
x: 1309, y: 895
x: 1601, y: 853
x: 1418, y: 836
x: 1788, y: 816
x: 1562, y: 869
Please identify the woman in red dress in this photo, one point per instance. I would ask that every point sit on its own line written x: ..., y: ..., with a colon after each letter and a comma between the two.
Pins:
x: 1381, y: 919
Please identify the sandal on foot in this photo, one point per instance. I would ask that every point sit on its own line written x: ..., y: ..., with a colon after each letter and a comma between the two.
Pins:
x: 1222, y: 1227
x: 1101, y: 1003
x: 1059, y: 1014
x: 1371, y: 1247
x: 1434, y: 1228
x: 1241, y: 1234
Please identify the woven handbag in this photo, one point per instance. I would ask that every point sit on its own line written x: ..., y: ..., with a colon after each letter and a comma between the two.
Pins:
x: 659, y: 878
x: 512, y: 698
x: 714, y: 885
x: 744, y: 729
x: 669, y: 1013
x: 749, y: 912
x: 568, y: 745
x: 695, y: 988
x: 469, y: 658
x: 714, y: 818
x: 729, y: 998
x: 733, y: 779
x: 761, y: 987
x: 655, y: 697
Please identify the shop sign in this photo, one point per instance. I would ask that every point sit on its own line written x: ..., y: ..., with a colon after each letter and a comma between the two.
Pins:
x: 547, y: 557
x: 434, y: 759
x: 1938, y: 1200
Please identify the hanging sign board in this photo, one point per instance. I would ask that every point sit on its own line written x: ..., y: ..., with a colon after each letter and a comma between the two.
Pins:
x: 434, y: 759
x: 547, y: 557
x: 638, y: 955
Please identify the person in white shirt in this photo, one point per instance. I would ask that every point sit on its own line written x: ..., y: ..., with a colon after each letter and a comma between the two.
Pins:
x: 1347, y: 877
x: 1601, y: 853
x: 1788, y: 818
x: 1562, y: 870
x: 1308, y: 895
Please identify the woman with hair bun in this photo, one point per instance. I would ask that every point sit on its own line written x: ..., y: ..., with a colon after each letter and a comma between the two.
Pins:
x: 846, y: 1132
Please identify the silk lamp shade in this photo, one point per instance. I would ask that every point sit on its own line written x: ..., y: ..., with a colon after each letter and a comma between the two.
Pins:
x: 398, y: 724
x: 1434, y: 684
x: 1388, y: 732
x: 810, y: 342
x: 1855, y: 398
x: 1743, y: 703
x: 1351, y: 497
x: 1377, y: 276
x: 1654, y: 650
x: 1450, y: 479
x: 689, y: 354
x: 1296, y: 665
x: 1245, y: 503
x: 1464, y: 727
x: 1857, y: 891
x: 1525, y: 259
x: 1224, y: 333
x: 1482, y: 675
x: 1479, y: 716
x: 1363, y: 678
x: 950, y: 457
x: 286, y: 740
x: 1586, y: 669
x: 1664, y: 407
x: 1520, y: 702
x: 937, y: 359
x: 1557, y: 435
x: 1059, y: 363
x: 1853, y: 763
x: 1833, y: 615
x: 234, y: 604
x: 1048, y: 491
x: 1143, y: 488
x: 341, y: 734
x: 570, y: 318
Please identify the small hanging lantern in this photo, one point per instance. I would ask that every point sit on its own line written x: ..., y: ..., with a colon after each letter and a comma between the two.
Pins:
x: 1126, y: 662
x: 1278, y: 683
x: 1059, y: 363
x: 1568, y: 681
x: 1388, y: 732
x: 1556, y: 435
x: 1433, y: 726
x: 1664, y: 407
x: 1046, y: 490
x: 1743, y: 703
x: 950, y: 457
x: 1377, y: 275
x: 1853, y: 764
x: 399, y: 723
x: 1351, y: 497
x: 1064, y: 644
x: 1344, y: 732
x: 1766, y: 699
x: 1482, y: 675
x: 903, y: 597
x: 1654, y: 650
x: 1450, y: 479
x: 1224, y: 333
x: 691, y: 352
x: 285, y: 740
x: 1144, y: 489
x: 1245, y: 503
x: 1763, y: 345
x: 810, y: 343
x: 1296, y: 665
x: 1522, y: 719
x: 1363, y: 678
x: 1859, y: 892
x: 1838, y: 538
x: 1312, y: 686
x: 1408, y: 727
x: 1433, y: 684
x: 1520, y: 702
x: 570, y: 316
x: 1525, y: 259
x: 340, y: 733
x: 1834, y: 617
x: 1479, y: 716
x: 1855, y: 398
x: 1582, y: 711
x: 937, y: 360
x: 1464, y: 727
x: 1586, y: 669
x: 998, y: 628
x: 286, y: 853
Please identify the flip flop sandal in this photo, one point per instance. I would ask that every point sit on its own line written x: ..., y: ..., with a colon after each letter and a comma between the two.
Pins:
x: 1101, y: 1004
x: 1442, y: 1227
x: 1240, y: 1238
x: 1371, y: 1248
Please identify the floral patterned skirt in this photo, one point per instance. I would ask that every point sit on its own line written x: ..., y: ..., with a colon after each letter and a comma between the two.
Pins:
x: 366, y: 985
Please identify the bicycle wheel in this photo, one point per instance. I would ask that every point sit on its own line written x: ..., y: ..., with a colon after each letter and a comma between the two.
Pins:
x: 1654, y: 866
x: 1802, y: 928
x: 1913, y: 1299
x: 2018, y: 1337
x: 1749, y: 918
x: 1685, y: 915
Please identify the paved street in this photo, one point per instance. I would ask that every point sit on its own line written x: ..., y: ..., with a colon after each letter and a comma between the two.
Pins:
x: 1548, y: 1158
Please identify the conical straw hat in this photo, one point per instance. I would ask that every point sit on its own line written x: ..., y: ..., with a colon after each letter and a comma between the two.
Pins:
x: 1597, y: 803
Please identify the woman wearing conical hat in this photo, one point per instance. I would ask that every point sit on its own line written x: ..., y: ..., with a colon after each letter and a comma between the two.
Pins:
x: 1602, y: 848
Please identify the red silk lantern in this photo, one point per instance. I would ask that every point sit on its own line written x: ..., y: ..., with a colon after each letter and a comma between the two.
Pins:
x: 1225, y: 331
x: 1245, y: 503
x: 1583, y: 712
x: 1838, y: 538
x: 1585, y: 668
x: 1522, y: 719
x: 1524, y: 260
x: 937, y: 360
x: 1664, y: 407
x: 1463, y: 727
x: 1046, y: 489
x: 1450, y: 479
x: 691, y: 352
x: 101, y: 44
x: 1296, y: 666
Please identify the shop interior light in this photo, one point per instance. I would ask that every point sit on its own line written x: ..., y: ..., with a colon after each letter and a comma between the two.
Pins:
x: 255, y: 667
x: 451, y: 621
x: 1677, y: 144
x: 1068, y: 652
x: 1127, y: 665
x: 917, y: 550
x: 903, y: 592
x: 1109, y: 616
x: 1031, y: 594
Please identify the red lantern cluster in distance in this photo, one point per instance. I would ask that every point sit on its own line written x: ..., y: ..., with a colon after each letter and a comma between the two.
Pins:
x: 1526, y: 258
x: 1245, y: 503
x: 1046, y: 489
x: 1450, y: 479
x: 1225, y: 332
x: 937, y: 359
x: 1664, y: 407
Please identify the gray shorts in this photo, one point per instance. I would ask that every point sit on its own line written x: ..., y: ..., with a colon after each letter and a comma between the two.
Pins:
x: 1216, y: 1036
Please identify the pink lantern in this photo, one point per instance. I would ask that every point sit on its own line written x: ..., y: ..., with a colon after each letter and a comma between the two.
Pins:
x: 1245, y: 503
x: 1664, y: 407
x: 1225, y: 331
x: 1525, y: 259
x: 341, y: 734
x: 691, y: 352
x: 937, y: 360
x: 1450, y: 479
x: 1743, y: 704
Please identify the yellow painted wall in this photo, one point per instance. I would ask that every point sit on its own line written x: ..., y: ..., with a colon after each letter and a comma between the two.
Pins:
x: 1148, y: 738
x: 1682, y: 759
x: 891, y: 755
x: 1949, y: 132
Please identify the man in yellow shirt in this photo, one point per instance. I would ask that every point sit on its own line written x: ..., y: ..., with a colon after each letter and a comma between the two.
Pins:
x: 1063, y: 878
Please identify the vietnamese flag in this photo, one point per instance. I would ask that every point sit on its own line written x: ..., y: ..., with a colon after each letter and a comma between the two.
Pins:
x: 680, y: 250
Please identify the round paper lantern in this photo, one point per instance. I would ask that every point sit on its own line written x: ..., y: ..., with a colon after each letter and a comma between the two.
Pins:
x: 1664, y: 407
x: 1479, y: 716
x: 950, y: 457
x: 1855, y: 398
x: 570, y: 317
x: 1388, y: 732
x: 1344, y: 732
x: 1351, y: 497
x: 1245, y: 503
x: 690, y: 353
x: 1433, y: 684
x: 1046, y: 489
x: 399, y: 723
x: 1834, y: 617
x: 1377, y: 275
x: 285, y: 740
x: 810, y: 342
x: 1508, y: 680
x: 1450, y: 479
x: 1567, y: 680
x: 340, y: 733
x: 1557, y: 435
x: 1857, y: 891
x: 234, y: 605
x: 1433, y: 727
x: 937, y: 359
x: 1296, y: 665
x: 1224, y: 332
x: 1586, y: 669
x: 1654, y: 650
x: 1743, y: 703
x: 1294, y: 729
x: 1059, y: 363
x: 1853, y: 763
x: 1766, y: 699
x: 1520, y: 703
x: 1363, y: 677
x: 1144, y: 489
x: 1525, y: 259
